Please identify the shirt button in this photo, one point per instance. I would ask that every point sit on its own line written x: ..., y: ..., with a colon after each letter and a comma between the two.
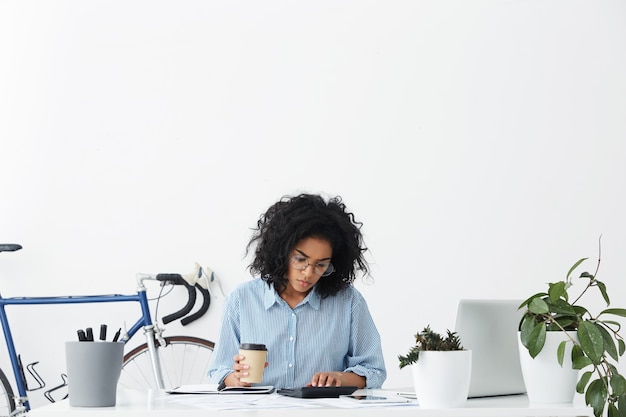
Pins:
x: 291, y: 365
x: 291, y: 338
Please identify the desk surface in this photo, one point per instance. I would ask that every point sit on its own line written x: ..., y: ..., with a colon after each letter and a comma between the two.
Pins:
x: 158, y: 403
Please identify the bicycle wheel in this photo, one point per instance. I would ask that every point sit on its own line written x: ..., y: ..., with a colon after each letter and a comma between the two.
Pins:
x: 7, y: 402
x: 184, y: 360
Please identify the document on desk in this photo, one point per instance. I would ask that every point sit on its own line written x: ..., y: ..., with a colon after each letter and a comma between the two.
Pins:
x: 272, y: 401
x: 218, y: 389
x: 237, y: 402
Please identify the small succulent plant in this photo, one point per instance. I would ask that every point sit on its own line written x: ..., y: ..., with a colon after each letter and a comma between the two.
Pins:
x: 428, y: 339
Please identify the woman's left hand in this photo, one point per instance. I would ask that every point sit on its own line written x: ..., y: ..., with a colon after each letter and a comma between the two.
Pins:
x: 336, y: 378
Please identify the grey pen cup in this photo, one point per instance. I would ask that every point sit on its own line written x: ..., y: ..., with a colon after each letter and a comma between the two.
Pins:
x: 93, y: 370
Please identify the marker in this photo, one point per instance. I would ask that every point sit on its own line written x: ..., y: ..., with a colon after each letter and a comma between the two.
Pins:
x: 81, y: 336
x: 89, y: 334
x: 103, y: 332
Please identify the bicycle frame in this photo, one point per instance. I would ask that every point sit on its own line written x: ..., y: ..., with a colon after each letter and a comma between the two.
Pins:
x: 145, y: 322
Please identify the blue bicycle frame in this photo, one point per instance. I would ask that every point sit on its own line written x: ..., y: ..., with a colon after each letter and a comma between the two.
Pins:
x: 144, y: 322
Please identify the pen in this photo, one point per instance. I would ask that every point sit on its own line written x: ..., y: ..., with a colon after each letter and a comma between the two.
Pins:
x: 103, y: 332
x: 117, y: 334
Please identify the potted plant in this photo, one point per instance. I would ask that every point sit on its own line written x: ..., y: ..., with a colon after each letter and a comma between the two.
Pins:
x: 435, y: 361
x: 594, y: 339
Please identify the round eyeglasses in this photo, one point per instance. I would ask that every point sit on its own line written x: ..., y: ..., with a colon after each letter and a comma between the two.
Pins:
x: 301, y: 263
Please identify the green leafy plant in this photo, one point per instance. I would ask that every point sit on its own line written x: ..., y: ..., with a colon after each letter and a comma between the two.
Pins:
x: 428, y: 339
x: 599, y: 344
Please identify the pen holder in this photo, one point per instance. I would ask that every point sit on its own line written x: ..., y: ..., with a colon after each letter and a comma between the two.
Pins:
x: 93, y: 370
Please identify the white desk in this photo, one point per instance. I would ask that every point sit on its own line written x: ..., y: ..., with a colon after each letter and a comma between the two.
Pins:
x: 160, y: 404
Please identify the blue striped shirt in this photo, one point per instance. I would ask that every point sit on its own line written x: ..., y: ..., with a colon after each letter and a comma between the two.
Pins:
x: 336, y: 333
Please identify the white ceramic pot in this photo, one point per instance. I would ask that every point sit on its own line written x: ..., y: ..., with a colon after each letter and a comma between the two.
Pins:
x: 441, y: 379
x: 546, y: 381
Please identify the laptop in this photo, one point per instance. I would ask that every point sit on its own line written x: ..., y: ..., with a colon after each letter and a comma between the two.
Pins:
x: 489, y: 329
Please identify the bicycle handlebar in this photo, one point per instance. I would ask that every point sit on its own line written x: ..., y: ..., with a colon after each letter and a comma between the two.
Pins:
x: 9, y: 247
x: 206, y: 301
x: 177, y: 279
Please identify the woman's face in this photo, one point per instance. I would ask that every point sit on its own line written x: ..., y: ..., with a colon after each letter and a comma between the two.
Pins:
x: 313, y: 255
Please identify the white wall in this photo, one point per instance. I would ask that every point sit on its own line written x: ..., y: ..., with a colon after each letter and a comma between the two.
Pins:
x: 481, y: 143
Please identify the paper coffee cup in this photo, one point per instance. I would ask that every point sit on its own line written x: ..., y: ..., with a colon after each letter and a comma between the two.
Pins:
x: 255, y: 357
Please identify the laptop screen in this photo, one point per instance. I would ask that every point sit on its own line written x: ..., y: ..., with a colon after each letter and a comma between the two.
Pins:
x: 489, y: 329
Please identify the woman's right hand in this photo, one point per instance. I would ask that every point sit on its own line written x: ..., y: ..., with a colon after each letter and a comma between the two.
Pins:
x: 241, y: 371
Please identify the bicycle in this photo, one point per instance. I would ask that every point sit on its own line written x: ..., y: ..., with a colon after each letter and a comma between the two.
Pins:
x: 161, y: 362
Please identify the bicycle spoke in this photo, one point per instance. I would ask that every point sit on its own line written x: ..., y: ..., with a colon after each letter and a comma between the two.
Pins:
x: 137, y: 373
x: 184, y: 360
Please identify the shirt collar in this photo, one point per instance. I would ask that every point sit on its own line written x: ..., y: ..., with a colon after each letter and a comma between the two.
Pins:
x: 271, y: 296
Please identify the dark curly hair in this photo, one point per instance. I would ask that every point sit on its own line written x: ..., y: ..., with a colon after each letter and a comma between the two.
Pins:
x: 292, y: 219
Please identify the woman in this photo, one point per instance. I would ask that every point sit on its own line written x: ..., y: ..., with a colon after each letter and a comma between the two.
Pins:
x: 304, y: 308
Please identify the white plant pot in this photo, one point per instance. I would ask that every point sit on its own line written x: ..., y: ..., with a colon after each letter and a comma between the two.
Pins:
x: 546, y: 381
x: 441, y: 379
